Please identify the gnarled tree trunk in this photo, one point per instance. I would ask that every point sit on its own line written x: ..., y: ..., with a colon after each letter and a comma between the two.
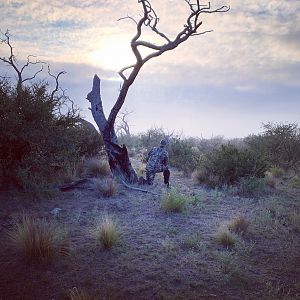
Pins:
x: 118, y: 158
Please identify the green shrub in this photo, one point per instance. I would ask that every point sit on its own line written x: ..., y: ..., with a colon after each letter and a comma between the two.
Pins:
x: 173, y: 202
x: 183, y: 156
x: 228, y: 164
x: 36, y: 139
x: 279, y: 143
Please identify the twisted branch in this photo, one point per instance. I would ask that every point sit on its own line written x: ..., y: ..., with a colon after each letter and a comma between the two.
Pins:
x: 12, y: 61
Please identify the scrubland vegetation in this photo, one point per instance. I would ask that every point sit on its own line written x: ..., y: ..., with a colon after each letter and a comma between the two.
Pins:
x: 227, y: 229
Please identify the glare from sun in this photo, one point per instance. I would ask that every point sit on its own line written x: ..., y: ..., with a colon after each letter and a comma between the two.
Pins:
x: 113, y: 54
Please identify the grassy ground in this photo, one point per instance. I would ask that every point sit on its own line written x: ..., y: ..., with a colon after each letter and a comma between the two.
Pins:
x: 159, y: 255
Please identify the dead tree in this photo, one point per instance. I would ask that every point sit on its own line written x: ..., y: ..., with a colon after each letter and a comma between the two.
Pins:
x: 122, y: 126
x: 12, y: 61
x: 117, y: 155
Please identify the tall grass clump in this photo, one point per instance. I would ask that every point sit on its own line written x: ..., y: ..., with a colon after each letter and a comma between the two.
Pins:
x: 107, y: 232
x: 38, y: 239
x: 105, y: 187
x: 173, y: 201
x: 238, y: 225
x: 225, y: 237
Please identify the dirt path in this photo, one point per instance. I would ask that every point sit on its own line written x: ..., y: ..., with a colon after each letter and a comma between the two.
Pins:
x: 159, y: 256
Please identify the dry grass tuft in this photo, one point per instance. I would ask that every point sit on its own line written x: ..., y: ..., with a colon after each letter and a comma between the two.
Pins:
x: 94, y: 167
x: 74, y: 294
x: 239, y: 225
x: 173, y: 202
x: 107, y: 232
x: 105, y: 187
x: 225, y: 237
x: 39, y: 239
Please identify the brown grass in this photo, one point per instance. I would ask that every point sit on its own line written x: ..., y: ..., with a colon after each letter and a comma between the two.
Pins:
x: 105, y: 187
x: 238, y: 225
x: 225, y: 237
x: 38, y: 239
x: 107, y: 232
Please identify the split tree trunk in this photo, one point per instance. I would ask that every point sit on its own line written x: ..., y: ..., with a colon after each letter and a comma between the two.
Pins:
x: 118, y: 158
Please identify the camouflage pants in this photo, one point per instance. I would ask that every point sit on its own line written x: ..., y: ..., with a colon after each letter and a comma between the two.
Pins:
x: 150, y: 175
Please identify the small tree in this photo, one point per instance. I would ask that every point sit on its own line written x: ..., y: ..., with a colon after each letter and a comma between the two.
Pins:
x: 118, y: 155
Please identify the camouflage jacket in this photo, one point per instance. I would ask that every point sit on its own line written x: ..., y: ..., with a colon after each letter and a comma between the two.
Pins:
x: 157, y: 159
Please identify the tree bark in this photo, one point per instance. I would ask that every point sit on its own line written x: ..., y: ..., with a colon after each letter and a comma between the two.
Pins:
x: 118, y: 157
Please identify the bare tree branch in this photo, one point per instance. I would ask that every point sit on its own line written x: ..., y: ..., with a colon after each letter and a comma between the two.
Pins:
x: 150, y: 19
x: 128, y: 17
x: 12, y: 61
x: 123, y: 125
x: 56, y: 78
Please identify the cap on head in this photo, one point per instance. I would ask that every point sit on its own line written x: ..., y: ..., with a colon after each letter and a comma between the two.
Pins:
x: 163, y: 143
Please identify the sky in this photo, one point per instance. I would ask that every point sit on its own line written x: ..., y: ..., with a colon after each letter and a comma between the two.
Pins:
x: 226, y: 82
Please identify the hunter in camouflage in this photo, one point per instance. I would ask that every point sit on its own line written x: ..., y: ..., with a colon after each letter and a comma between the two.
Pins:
x: 157, y: 161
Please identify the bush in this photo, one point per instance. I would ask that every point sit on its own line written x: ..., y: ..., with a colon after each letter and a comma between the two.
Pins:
x: 36, y: 138
x: 279, y: 143
x: 38, y: 239
x: 228, y: 164
x: 183, y: 156
x: 173, y: 202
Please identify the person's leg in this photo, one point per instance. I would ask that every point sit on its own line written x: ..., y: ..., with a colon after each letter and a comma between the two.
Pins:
x: 166, y: 174
x: 150, y: 177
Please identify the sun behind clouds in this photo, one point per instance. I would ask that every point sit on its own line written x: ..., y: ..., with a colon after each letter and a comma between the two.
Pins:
x: 113, y: 54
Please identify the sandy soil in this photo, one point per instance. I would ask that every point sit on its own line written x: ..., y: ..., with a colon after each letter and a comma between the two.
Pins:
x: 160, y: 255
